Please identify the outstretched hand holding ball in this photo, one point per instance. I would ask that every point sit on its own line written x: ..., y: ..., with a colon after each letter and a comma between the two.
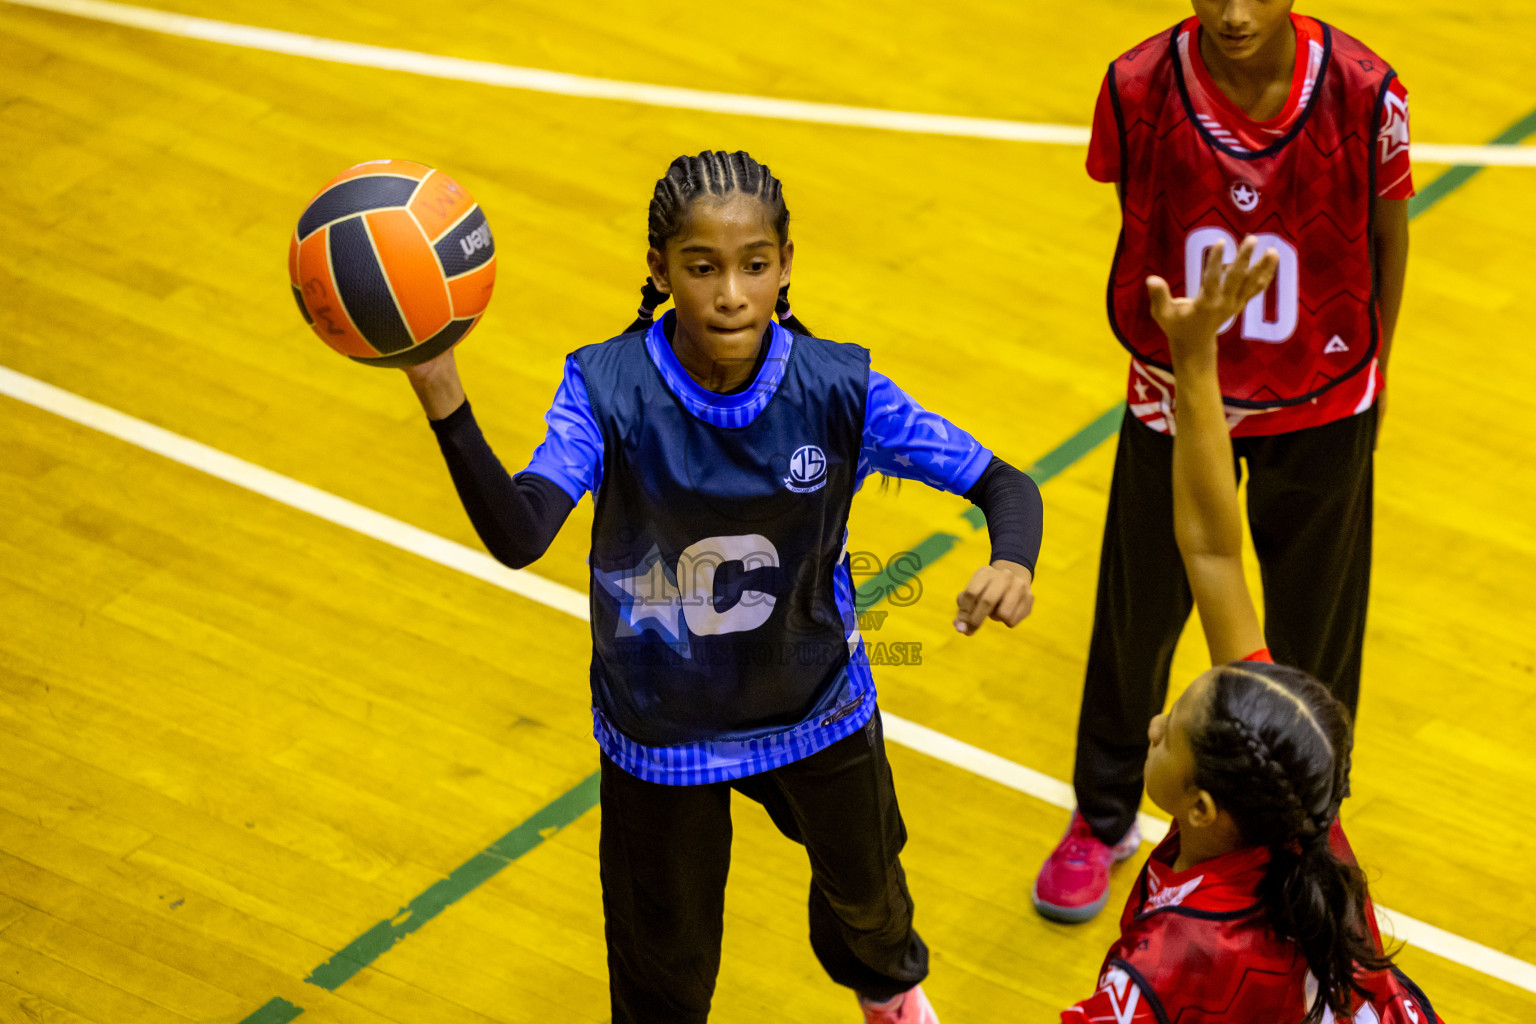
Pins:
x: 392, y: 263
x: 437, y: 385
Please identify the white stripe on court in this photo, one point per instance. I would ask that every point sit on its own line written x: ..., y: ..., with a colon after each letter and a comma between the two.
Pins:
x: 449, y: 553
x: 536, y: 80
x: 290, y: 492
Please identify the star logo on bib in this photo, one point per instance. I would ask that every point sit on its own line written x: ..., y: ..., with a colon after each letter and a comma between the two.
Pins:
x: 648, y: 599
x: 1244, y: 196
x: 1392, y: 139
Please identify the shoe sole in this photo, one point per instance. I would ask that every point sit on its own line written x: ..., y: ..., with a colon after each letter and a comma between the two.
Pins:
x: 1068, y: 915
x: 1086, y: 912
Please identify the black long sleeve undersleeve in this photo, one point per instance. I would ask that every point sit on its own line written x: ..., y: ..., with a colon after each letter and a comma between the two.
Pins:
x: 1015, y: 514
x: 516, y: 517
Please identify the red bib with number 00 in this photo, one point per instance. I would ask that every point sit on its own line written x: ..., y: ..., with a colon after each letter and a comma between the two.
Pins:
x: 1308, y: 195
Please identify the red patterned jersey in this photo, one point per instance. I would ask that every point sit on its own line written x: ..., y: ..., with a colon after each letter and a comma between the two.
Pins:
x: 1193, y: 168
x: 1193, y: 949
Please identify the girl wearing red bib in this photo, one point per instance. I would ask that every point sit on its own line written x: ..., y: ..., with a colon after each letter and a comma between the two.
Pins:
x: 1253, y: 909
x: 1244, y: 119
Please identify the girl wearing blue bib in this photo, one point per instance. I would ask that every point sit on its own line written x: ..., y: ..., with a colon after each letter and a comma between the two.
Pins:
x: 722, y: 450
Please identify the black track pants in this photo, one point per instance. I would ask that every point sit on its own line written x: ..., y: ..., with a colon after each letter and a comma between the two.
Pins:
x: 1310, y: 510
x: 665, y: 852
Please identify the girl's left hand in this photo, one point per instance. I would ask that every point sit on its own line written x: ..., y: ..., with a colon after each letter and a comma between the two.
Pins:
x: 998, y: 591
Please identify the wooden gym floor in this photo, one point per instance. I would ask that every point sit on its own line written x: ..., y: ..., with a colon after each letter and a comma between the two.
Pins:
x: 235, y: 738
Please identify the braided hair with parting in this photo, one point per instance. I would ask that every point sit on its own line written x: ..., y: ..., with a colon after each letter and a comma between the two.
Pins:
x: 1272, y: 748
x: 718, y: 174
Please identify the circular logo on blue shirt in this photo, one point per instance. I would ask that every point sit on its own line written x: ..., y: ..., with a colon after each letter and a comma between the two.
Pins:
x: 807, y: 469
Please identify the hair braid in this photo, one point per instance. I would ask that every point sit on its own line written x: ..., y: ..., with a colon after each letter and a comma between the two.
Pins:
x: 1273, y: 751
x: 718, y: 174
x: 1297, y: 823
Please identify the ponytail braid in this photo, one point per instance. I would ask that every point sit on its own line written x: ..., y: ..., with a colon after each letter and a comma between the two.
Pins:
x: 786, y: 317
x: 1273, y: 751
x: 719, y: 174
x: 650, y: 298
x: 1292, y: 821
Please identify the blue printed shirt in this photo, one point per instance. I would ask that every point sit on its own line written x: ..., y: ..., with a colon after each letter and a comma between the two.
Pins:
x: 899, y: 438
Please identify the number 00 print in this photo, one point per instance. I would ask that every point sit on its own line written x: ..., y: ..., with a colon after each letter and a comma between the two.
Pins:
x: 1257, y: 325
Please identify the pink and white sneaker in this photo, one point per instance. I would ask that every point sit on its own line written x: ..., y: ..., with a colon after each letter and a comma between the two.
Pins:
x: 911, y: 1007
x: 1073, y: 884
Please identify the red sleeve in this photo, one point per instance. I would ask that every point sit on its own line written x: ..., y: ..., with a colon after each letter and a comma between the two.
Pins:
x: 1104, y: 144
x: 1118, y: 1001
x: 1394, y: 177
x: 1262, y: 654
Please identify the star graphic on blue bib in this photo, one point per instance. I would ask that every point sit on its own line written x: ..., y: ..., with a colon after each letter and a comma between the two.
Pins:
x: 648, y: 600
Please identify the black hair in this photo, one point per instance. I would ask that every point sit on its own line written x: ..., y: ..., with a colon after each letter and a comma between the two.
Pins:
x: 1273, y: 750
x: 720, y: 174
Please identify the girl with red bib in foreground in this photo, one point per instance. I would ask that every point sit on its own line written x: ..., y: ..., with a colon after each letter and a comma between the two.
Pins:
x: 1252, y: 909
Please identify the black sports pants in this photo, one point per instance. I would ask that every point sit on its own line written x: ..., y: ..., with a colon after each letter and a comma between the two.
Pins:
x: 1309, y: 508
x: 665, y: 851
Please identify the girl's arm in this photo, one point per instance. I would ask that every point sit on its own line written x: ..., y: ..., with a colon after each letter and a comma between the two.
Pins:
x: 437, y: 385
x: 1389, y: 242
x: 1205, y: 513
x: 902, y: 439
x: 1002, y: 590
x: 518, y: 517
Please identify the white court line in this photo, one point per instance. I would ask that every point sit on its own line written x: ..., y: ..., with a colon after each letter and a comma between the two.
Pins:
x: 536, y: 80
x: 449, y: 553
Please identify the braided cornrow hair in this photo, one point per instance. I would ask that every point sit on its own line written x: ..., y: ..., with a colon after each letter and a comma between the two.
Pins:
x: 1273, y: 751
x: 719, y: 174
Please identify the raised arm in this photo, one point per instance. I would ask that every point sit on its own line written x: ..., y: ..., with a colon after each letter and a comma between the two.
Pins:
x: 1205, y: 513
x: 437, y: 385
x: 516, y: 517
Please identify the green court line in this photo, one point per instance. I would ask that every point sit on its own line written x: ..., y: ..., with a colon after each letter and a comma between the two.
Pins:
x: 880, y: 586
x: 900, y: 570
x: 1066, y: 454
x: 571, y: 805
x: 467, y: 877
x: 1460, y: 174
x: 379, y: 939
x: 278, y: 1011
